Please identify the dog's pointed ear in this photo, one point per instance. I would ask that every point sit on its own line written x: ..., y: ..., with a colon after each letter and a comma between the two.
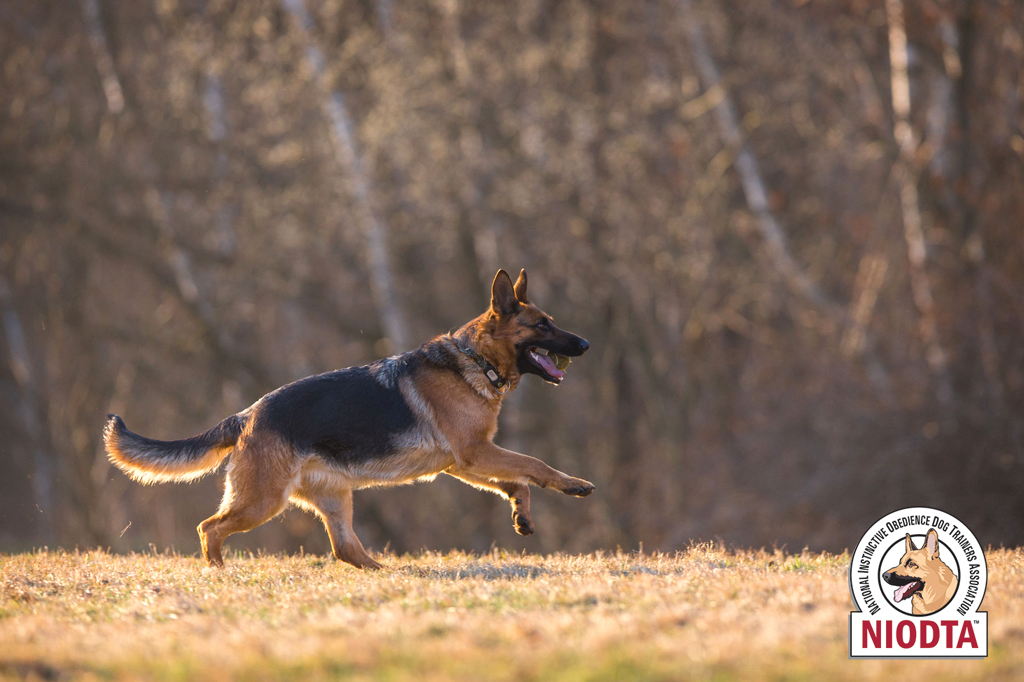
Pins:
x: 910, y: 545
x: 931, y: 541
x: 503, y: 295
x: 520, y: 287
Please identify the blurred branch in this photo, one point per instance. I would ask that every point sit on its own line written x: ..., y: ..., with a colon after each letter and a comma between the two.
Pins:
x: 104, y: 62
x: 986, y: 331
x: 456, y: 45
x: 874, y: 111
x: 870, y: 276
x: 909, y: 175
x: 383, y: 8
x: 382, y: 281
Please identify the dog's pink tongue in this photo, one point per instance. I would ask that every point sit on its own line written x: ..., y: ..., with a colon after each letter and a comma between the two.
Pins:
x: 549, y: 366
x: 902, y: 592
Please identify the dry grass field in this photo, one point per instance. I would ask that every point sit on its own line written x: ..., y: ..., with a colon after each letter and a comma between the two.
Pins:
x: 704, y: 614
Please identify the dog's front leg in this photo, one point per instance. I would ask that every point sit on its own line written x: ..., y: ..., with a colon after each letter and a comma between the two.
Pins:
x: 519, y: 498
x: 487, y: 460
x: 517, y: 493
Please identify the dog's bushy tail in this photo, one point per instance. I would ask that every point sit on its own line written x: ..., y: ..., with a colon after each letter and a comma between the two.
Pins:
x: 157, y: 461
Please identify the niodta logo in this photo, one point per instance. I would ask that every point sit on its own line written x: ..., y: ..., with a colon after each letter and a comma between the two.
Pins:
x: 917, y: 578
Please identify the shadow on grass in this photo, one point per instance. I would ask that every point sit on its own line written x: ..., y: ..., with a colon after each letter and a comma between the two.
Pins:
x: 487, y: 571
x: 31, y: 670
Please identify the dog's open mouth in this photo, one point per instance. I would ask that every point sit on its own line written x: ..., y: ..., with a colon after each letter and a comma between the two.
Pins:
x: 906, y: 587
x: 552, y: 364
x: 908, y: 590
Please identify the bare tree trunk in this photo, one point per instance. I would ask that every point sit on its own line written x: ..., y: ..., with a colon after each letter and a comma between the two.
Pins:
x: 382, y: 281
x: 216, y: 132
x: 746, y: 166
x: 474, y: 146
x: 30, y: 414
x: 757, y: 196
x: 909, y: 176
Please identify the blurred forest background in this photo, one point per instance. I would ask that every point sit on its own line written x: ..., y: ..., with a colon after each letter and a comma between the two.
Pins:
x: 792, y: 231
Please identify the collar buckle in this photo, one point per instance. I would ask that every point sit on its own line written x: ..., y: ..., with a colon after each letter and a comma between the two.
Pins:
x: 489, y: 370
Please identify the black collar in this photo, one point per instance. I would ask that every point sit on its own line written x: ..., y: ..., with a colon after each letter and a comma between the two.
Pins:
x: 489, y: 370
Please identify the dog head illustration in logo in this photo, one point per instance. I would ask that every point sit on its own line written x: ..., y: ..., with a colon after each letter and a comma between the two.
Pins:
x: 922, y: 576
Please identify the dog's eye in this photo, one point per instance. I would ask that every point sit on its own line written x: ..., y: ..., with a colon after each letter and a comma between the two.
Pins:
x: 911, y: 564
x: 543, y: 324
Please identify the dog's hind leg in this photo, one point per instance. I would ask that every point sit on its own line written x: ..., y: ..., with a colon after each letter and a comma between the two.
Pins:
x: 255, y: 492
x: 335, y: 509
x: 518, y: 495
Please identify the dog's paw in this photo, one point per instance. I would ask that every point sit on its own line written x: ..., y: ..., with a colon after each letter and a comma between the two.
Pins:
x: 578, y: 488
x: 523, y: 524
x: 357, y: 558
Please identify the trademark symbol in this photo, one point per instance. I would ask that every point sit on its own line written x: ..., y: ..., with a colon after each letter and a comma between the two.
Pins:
x: 975, y: 622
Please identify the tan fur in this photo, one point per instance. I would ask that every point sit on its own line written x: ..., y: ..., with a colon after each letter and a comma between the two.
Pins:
x: 149, y: 472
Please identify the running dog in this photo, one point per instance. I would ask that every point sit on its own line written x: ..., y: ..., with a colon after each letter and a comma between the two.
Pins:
x: 922, y: 576
x: 398, y: 420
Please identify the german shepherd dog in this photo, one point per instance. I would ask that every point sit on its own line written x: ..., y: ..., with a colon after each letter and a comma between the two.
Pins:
x: 398, y: 420
x: 922, y: 576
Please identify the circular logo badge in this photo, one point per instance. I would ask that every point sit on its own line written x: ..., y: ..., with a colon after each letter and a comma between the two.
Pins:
x: 917, y: 578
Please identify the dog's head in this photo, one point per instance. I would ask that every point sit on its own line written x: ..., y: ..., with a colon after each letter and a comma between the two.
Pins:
x: 916, y: 568
x: 539, y: 346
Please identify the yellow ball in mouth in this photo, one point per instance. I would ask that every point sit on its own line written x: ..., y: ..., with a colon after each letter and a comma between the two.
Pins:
x: 561, y: 361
